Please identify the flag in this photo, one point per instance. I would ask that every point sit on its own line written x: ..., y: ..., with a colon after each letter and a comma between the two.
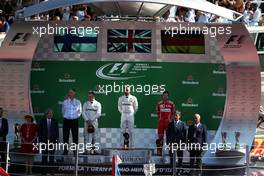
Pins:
x: 115, y: 162
x: 75, y: 42
x: 131, y: 41
x: 182, y: 43
x: 3, y: 172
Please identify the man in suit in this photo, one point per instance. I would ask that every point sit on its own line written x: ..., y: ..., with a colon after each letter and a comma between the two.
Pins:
x: 3, y: 134
x: 176, y: 136
x: 197, y: 137
x: 48, y: 133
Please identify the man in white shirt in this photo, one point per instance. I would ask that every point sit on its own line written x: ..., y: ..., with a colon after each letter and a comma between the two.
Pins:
x: 71, y: 111
x: 66, y: 14
x: 190, y: 16
x: 91, y: 113
x: 127, y: 106
x: 203, y: 17
x: 255, y: 15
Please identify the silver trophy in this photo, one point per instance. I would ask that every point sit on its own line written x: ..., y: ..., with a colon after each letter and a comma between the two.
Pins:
x: 149, y: 169
x: 237, y: 136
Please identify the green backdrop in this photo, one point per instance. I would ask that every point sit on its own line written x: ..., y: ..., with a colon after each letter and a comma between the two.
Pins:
x: 194, y: 87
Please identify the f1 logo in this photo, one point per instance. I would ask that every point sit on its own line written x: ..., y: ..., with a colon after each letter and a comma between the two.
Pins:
x: 236, y: 39
x: 20, y: 39
x: 123, y: 68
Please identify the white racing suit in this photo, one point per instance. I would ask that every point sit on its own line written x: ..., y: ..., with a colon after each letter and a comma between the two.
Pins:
x: 91, y: 112
x: 127, y: 106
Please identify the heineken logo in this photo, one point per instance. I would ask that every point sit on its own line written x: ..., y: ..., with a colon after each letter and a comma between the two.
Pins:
x: 37, y: 112
x: 218, y: 115
x: 190, y: 100
x: 190, y: 78
x: 220, y: 92
x: 189, y: 103
x: 66, y: 79
x: 36, y: 109
x: 36, y: 90
x: 37, y: 67
x: 220, y: 70
x: 190, y: 81
x: 35, y: 87
x: 67, y: 76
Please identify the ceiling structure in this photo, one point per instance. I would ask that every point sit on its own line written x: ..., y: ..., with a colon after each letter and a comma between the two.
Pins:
x: 133, y: 8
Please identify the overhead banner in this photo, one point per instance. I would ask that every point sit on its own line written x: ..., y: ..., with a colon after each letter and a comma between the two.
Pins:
x: 194, y: 88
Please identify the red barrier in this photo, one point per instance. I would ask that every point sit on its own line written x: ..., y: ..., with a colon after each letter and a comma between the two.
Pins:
x: 3, y: 172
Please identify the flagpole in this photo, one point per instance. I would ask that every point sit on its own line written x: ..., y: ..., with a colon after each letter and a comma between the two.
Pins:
x: 113, y: 165
x: 7, y: 157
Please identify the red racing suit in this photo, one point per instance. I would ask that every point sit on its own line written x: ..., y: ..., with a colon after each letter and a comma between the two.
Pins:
x: 165, y: 111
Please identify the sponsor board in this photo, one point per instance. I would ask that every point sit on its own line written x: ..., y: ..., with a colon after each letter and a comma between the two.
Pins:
x: 193, y: 87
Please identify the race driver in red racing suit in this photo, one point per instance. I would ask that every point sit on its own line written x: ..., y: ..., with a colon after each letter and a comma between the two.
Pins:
x: 165, y: 111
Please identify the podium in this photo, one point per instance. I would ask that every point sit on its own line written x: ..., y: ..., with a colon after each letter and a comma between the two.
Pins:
x: 131, y: 156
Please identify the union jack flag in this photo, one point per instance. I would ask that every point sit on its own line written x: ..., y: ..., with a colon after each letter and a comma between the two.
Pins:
x: 131, y: 41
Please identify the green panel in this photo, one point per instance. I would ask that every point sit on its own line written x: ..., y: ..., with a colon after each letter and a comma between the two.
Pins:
x: 195, y: 88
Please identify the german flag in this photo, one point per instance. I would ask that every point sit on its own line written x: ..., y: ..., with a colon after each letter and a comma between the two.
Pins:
x: 182, y: 43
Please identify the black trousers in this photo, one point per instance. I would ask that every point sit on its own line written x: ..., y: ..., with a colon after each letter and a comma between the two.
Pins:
x: 3, y: 154
x: 48, y: 154
x: 73, y: 126
x: 179, y: 156
x: 195, y: 154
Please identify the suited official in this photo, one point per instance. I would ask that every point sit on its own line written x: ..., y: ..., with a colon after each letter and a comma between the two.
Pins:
x: 176, y: 136
x: 48, y: 132
x: 3, y: 134
x: 197, y: 136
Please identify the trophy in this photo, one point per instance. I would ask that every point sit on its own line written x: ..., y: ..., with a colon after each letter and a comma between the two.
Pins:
x: 126, y: 136
x: 93, y: 148
x: 159, y: 144
x: 17, y: 134
x: 149, y: 169
x: 90, y: 127
x: 90, y: 131
x: 126, y: 140
x: 224, y: 139
x: 237, y: 136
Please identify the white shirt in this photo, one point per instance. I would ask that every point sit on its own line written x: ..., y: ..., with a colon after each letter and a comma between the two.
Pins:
x: 256, y: 17
x: 190, y: 16
x: 48, y: 122
x: 91, y: 110
x: 80, y: 14
x: 127, y: 105
x: 204, y: 18
x: 71, y: 109
x: 66, y: 16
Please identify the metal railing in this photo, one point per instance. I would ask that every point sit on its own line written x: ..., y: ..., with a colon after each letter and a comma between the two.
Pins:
x: 174, y: 167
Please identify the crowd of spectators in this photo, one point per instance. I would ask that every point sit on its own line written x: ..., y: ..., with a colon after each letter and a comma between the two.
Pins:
x: 251, y: 10
x: 75, y: 13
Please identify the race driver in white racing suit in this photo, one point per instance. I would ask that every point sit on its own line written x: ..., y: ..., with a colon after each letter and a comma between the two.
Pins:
x: 91, y: 113
x: 127, y: 106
